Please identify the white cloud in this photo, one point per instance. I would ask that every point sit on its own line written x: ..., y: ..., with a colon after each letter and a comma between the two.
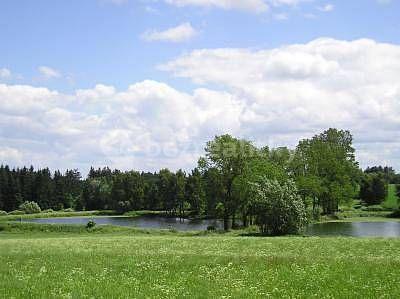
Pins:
x: 271, y: 96
x: 247, y: 5
x: 177, y: 34
x: 287, y: 2
x: 11, y: 155
x: 281, y: 16
x: 297, y: 90
x: 5, y: 73
x: 327, y: 8
x: 48, y: 72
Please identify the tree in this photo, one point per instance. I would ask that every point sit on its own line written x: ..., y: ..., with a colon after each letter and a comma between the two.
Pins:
x: 373, y: 189
x: 195, y: 194
x: 255, y: 170
x: 228, y: 155
x: 214, y: 191
x: 167, y: 190
x: 180, y: 192
x: 279, y: 208
x: 328, y: 160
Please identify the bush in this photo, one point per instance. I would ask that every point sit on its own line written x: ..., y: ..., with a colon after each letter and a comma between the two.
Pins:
x: 280, y: 210
x: 3, y: 213
x: 211, y: 228
x: 90, y: 224
x: 48, y: 211
x: 16, y: 212
x: 373, y: 189
x: 30, y: 207
x: 395, y: 214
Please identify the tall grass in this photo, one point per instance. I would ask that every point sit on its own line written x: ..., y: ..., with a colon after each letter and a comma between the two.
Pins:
x: 391, y: 199
x: 100, y: 266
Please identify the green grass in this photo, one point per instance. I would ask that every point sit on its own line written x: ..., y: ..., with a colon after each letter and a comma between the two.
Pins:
x: 56, y: 214
x: 126, y: 263
x: 391, y: 200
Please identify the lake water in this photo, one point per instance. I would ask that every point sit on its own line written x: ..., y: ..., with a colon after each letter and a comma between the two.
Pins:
x: 355, y: 229
x: 351, y: 229
x: 155, y: 222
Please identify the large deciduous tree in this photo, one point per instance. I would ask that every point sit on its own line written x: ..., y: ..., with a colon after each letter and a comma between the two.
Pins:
x: 227, y: 155
x: 326, y: 169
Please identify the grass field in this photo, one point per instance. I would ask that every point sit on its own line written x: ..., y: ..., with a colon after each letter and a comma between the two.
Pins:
x: 391, y: 200
x: 110, y: 264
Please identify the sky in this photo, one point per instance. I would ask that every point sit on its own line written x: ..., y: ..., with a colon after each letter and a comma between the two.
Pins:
x: 144, y: 84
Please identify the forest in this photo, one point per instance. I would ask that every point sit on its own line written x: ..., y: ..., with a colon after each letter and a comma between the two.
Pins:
x: 234, y: 181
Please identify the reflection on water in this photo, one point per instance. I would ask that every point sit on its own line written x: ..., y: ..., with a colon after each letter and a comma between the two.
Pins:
x: 352, y: 229
x: 355, y: 229
x: 156, y: 222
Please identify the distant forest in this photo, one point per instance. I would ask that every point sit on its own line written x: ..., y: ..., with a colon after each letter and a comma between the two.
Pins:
x: 323, y: 168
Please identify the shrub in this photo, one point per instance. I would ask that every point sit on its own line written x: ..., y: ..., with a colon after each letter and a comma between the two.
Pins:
x: 280, y: 210
x: 211, y: 228
x: 3, y: 213
x: 16, y: 212
x: 373, y: 189
x: 48, y: 211
x: 90, y: 224
x: 395, y: 214
x: 30, y: 207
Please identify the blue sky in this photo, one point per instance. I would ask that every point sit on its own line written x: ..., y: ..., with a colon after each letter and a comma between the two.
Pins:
x: 54, y: 53
x: 98, y: 41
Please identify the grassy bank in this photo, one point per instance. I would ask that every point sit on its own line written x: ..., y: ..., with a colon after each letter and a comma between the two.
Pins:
x: 170, y: 266
x: 391, y: 201
x: 57, y: 214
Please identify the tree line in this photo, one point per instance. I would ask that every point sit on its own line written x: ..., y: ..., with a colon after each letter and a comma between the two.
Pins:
x: 235, y: 181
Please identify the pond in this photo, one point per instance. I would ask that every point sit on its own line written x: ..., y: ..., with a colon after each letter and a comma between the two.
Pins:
x: 155, y: 222
x: 350, y: 229
x: 355, y: 229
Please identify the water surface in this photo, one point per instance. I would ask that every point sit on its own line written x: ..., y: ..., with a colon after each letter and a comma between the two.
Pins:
x: 155, y: 222
x: 350, y: 229
x: 355, y: 229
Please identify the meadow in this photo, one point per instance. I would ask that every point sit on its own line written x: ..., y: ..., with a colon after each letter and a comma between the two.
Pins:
x: 391, y: 200
x: 109, y: 262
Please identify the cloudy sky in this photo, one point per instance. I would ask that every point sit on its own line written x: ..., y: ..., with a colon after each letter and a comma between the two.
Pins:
x: 143, y: 84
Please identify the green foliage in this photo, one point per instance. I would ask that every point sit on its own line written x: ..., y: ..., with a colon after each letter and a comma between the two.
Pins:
x: 16, y: 212
x: 30, y: 207
x: 373, y: 208
x: 373, y: 189
x: 325, y: 169
x: 228, y: 156
x: 279, y: 208
x: 91, y: 224
x: 3, y: 213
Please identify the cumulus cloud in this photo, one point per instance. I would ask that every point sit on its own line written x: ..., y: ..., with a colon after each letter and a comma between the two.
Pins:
x: 5, y: 73
x: 327, y: 8
x: 176, y: 34
x: 48, y: 72
x: 293, y: 91
x: 272, y: 97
